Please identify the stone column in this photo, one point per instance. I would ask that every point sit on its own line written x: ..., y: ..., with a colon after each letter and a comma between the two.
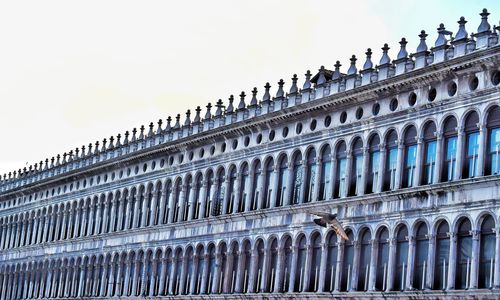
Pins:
x: 381, y: 168
x: 419, y: 163
x: 120, y: 207
x: 83, y: 227
x: 340, y: 260
x: 364, y: 170
x: 113, y: 206
x: 163, y: 205
x: 452, y: 263
x: 91, y: 220
x: 98, y: 218
x: 95, y: 291
x: 317, y: 179
x: 481, y: 151
x: 391, y: 265
x: 128, y: 269
x: 260, y: 189
x: 227, y: 196
x: 118, y: 282
x: 171, y: 205
x: 253, y: 272
x: 23, y: 233
x: 348, y: 172
x: 192, y: 199
x: 74, y: 226
x: 152, y: 210
x: 128, y: 211
x: 431, y: 256
x: 203, y: 199
x: 161, y: 288
x: 73, y: 292
x: 153, y: 277
x: 399, y: 164
x: 204, y: 277
x: 192, y: 284
x: 293, y: 268
x: 439, y: 157
x: 111, y: 280
x: 355, y: 267
x: 104, y: 283
x: 64, y: 224
x: 216, y: 280
x: 373, y: 265
x: 136, y: 276
x: 273, y: 187
x: 182, y: 204
x: 238, y: 287
x: 278, y: 279
x: 265, y: 271
x: 105, y: 219
x: 144, y: 209
x: 52, y: 221
x: 135, y: 220
x: 142, y: 278
x: 460, y: 152
x: 411, y: 263
x: 322, y: 268
x: 45, y: 228
x: 289, y: 185
x: 302, y: 189
x: 237, y: 193
x: 474, y: 270
x: 496, y: 283
x: 81, y: 285
x: 307, y: 268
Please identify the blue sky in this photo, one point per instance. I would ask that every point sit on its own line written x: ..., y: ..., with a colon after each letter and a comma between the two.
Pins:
x: 74, y: 72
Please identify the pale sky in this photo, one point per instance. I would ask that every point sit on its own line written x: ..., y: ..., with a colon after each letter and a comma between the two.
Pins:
x: 73, y: 72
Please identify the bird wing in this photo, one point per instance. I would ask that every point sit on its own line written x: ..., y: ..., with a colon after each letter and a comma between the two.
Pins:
x: 320, y: 222
x: 321, y: 214
x: 337, y: 227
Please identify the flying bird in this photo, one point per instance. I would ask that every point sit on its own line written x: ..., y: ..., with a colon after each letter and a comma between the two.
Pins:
x: 326, y: 219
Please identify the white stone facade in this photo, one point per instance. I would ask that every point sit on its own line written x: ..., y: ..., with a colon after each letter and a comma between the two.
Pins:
x: 406, y: 152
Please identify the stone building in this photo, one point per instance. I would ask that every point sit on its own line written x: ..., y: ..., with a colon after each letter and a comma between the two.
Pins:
x: 406, y: 152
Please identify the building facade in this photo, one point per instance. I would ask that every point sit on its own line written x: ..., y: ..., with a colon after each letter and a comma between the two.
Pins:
x: 406, y: 152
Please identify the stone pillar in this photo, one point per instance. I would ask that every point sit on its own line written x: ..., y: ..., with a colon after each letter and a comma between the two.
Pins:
x: 128, y: 267
x: 81, y: 285
x: 391, y: 265
x: 452, y: 263
x: 111, y: 280
x: 419, y: 163
x: 496, y: 283
x: 227, y: 196
x: 293, y: 268
x: 289, y: 185
x: 474, y: 269
x: 203, y: 199
x: 52, y: 218
x: 237, y: 193
x: 118, y: 282
x: 411, y: 263
x: 204, y: 277
x: 273, y: 187
x: 74, y: 226
x: 439, y: 157
x: 216, y: 280
x: 23, y: 233
x: 192, y: 199
x: 142, y: 277
x: 92, y: 220
x: 163, y: 270
x: 153, y: 213
x: 128, y: 211
x: 265, y: 271
x: 373, y: 265
x: 95, y: 291
x: 253, y: 272
x: 317, y: 179
x: 163, y: 205
x: 135, y: 220
x: 153, y: 277
x: 171, y: 205
x: 340, y: 260
x: 105, y: 219
x: 104, y: 283
x: 278, y: 279
x: 322, y: 268
x: 333, y: 176
x: 192, y: 284
x: 120, y: 207
x: 238, y: 287
x: 348, y: 172
x: 45, y: 228
x: 364, y: 170
x: 113, y: 207
x: 260, y: 189
x: 481, y: 151
x: 182, y: 204
x: 355, y: 267
x: 307, y: 269
x: 144, y: 209
x: 63, y: 224
x: 302, y: 190
x: 460, y: 152
x: 381, y: 168
x: 431, y: 257
x: 136, y: 277
x: 399, y: 165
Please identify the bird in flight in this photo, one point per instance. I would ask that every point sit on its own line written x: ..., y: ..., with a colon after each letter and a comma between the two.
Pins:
x: 326, y: 219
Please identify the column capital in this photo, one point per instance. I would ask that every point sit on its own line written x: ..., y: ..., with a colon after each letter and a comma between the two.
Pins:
x: 475, y: 234
x: 391, y: 241
x: 460, y: 129
x: 382, y: 146
x: 438, y: 134
x: 410, y: 239
x: 452, y: 235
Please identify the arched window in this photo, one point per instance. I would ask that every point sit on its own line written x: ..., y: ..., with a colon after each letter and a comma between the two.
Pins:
x: 325, y: 181
x: 331, y: 261
x: 211, y: 269
x: 260, y: 266
x: 231, y: 192
x: 382, y: 260
x: 222, y: 267
x: 356, y: 168
x: 257, y: 171
x: 364, y: 260
x: 410, y: 156
x: 464, y: 254
x: 421, y: 253
x: 401, y: 258
x: 487, y: 253
x: 177, y: 196
x: 200, y: 255
x: 391, y: 161
x: 315, y: 263
x: 430, y: 144
x: 187, y: 198
x: 311, y: 174
x: 208, y: 196
x: 340, y: 182
x: 374, y: 164
x: 301, y: 263
x: 298, y: 173
x: 493, y: 127
x: 450, y: 149
x: 268, y: 189
x: 273, y: 264
x: 197, y: 196
x: 471, y: 167
x: 220, y: 192
x: 287, y: 263
x: 282, y: 181
x: 347, y: 264
x: 247, y: 260
x: 243, y: 188
x: 234, y: 267
x: 442, y: 256
x: 189, y: 271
